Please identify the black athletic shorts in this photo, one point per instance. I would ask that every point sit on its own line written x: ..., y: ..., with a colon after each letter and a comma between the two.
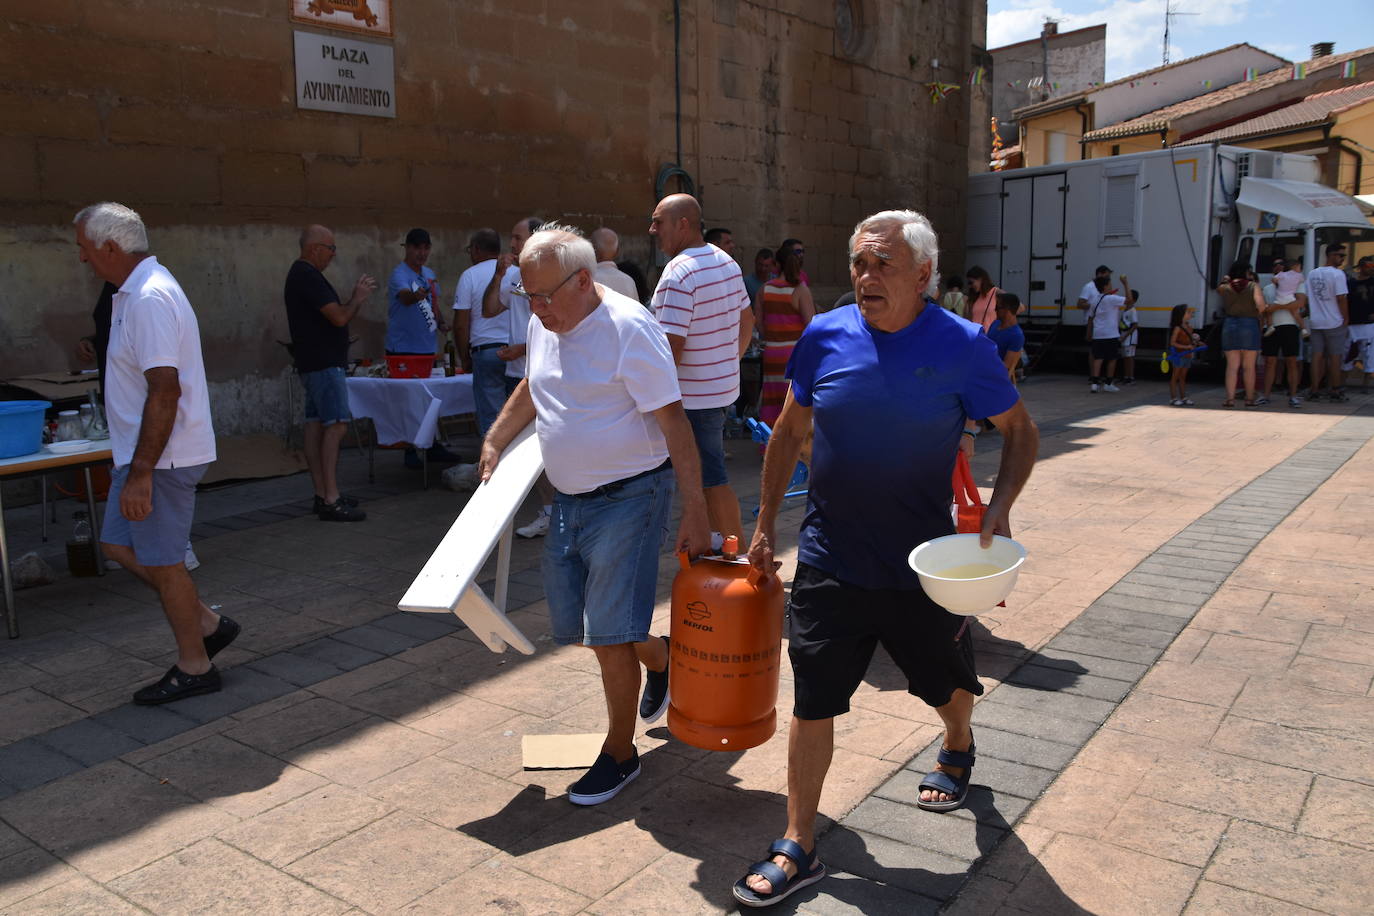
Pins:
x: 835, y: 626
x: 1285, y: 341
x: 1106, y: 348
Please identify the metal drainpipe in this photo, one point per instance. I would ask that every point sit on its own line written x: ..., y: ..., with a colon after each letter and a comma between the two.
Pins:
x: 1082, y: 131
x: 677, y: 78
x: 1359, y: 161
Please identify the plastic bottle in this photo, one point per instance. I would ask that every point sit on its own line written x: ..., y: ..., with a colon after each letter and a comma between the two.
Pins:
x: 81, y: 547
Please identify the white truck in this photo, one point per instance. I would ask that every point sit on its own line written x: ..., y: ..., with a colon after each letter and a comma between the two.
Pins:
x: 1172, y: 220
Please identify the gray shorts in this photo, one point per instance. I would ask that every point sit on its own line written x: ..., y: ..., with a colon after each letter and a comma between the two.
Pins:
x: 161, y: 538
x: 1330, y: 341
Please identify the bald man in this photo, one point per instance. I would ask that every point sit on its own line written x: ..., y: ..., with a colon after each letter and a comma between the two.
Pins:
x: 606, y: 244
x: 319, y: 344
x: 703, y: 306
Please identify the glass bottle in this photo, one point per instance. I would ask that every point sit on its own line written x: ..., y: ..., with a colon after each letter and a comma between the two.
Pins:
x: 81, y: 547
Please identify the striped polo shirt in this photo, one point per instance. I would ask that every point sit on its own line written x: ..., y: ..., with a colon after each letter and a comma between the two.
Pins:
x: 700, y: 297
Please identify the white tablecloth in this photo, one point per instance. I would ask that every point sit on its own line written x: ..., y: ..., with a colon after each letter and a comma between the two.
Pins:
x: 408, y: 409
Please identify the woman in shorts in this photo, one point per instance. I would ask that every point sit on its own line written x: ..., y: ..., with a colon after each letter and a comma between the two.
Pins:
x: 1240, y: 330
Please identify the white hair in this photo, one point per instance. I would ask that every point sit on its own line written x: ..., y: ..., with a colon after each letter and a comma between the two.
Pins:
x: 566, y: 243
x: 111, y: 222
x: 918, y: 234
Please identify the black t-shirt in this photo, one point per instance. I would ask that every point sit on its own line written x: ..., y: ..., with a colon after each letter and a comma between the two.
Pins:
x: 316, y: 342
x: 1361, y: 300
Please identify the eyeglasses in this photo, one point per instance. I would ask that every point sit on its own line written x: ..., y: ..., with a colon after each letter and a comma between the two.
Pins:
x: 330, y: 247
x: 544, y: 298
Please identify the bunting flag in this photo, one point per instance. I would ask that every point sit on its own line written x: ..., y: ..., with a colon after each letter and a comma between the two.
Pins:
x: 975, y: 78
x: 1056, y: 85
x: 939, y: 90
x: 1300, y: 71
x: 1206, y: 84
x: 1251, y: 73
x: 1348, y: 71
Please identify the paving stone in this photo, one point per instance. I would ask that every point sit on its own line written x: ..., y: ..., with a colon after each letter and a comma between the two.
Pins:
x: 211, y: 876
x: 1019, y: 748
x: 29, y: 763
x: 1164, y: 586
x: 841, y: 894
x: 1078, y: 874
x: 1212, y: 899
x: 1089, y: 665
x: 111, y: 819
x: 30, y: 712
x: 245, y: 781
x: 28, y: 872
x: 1093, y: 627
x: 147, y: 724
x: 79, y: 896
x: 1314, y: 872
x: 88, y: 741
x: 504, y: 887
x: 364, y: 751
x: 1087, y: 685
x: 1106, y: 614
x: 425, y: 626
x: 286, y: 833
x: 1053, y: 702
x: 295, y: 669
x: 1152, y: 606
x: 1104, y: 648
x: 339, y: 654
x: 878, y: 858
x: 378, y: 639
x: 1167, y: 831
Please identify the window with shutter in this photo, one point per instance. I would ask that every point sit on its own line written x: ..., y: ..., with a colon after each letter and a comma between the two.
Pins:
x: 1119, y: 210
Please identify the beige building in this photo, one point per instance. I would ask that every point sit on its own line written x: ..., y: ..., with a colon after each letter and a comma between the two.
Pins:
x: 791, y: 120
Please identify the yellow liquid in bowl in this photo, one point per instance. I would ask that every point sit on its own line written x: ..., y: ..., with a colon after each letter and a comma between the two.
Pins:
x: 970, y: 571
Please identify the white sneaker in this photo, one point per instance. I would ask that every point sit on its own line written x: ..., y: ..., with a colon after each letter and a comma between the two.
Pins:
x: 1110, y: 387
x: 192, y: 561
x: 1093, y: 388
x: 537, y: 528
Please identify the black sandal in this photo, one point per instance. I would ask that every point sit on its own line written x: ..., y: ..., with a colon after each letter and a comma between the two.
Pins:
x: 178, y: 685
x: 809, y: 871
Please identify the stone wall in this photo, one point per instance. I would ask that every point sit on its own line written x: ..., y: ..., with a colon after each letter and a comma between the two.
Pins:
x: 185, y: 110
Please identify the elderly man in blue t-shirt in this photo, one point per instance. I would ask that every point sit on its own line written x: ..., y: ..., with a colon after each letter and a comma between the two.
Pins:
x: 891, y: 385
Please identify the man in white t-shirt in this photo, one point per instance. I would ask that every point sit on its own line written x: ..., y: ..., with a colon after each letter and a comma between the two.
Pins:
x: 606, y: 244
x: 603, y: 394
x: 158, y: 407
x: 1104, y: 323
x: 479, y: 337
x: 702, y: 304
x: 1329, y: 316
x: 1088, y: 296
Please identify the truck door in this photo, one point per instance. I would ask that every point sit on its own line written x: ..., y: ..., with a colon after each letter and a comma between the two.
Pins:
x: 1033, y: 243
x: 1046, y: 299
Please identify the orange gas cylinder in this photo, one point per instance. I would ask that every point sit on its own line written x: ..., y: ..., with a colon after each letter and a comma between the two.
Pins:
x: 726, y: 640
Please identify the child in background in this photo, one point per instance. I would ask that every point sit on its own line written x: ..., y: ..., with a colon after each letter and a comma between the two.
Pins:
x: 1007, y: 334
x: 1130, y: 334
x: 1183, y: 341
x: 953, y: 300
x: 1287, y: 281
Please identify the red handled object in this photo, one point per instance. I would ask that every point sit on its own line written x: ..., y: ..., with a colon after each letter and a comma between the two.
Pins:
x: 968, y: 502
x: 726, y: 640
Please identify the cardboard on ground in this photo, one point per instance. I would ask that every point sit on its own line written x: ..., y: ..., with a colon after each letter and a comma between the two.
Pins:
x: 448, y: 581
x: 560, y: 752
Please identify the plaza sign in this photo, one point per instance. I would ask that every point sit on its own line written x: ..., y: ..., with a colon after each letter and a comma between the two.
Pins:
x: 352, y: 77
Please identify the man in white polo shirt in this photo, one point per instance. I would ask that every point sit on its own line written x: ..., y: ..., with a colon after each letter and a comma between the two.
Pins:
x: 158, y: 407
x: 603, y: 394
x: 703, y: 306
x: 479, y: 337
x: 606, y: 244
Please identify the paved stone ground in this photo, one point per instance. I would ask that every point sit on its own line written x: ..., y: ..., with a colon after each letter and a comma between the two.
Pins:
x: 1176, y: 717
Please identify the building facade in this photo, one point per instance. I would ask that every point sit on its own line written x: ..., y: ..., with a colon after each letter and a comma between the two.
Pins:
x: 788, y: 120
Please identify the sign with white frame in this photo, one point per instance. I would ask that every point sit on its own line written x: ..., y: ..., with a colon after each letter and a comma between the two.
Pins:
x: 339, y: 74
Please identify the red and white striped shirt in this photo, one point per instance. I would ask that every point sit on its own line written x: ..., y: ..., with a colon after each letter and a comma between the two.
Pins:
x: 700, y: 297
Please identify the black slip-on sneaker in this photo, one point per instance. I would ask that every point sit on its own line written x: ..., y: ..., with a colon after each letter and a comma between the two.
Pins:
x: 654, y: 701
x: 604, y: 780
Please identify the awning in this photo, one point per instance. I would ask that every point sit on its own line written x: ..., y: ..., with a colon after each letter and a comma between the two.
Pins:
x: 1300, y: 203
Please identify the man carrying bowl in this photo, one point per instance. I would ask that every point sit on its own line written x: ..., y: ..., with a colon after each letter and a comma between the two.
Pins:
x: 890, y: 385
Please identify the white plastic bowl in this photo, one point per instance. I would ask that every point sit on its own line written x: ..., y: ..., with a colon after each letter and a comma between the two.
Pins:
x: 962, y: 595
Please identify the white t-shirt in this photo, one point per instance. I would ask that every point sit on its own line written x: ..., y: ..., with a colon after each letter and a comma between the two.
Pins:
x: 1128, y: 318
x: 468, y: 298
x: 1106, y: 316
x: 607, y: 274
x: 594, y: 388
x: 1089, y: 293
x: 1323, y: 286
x: 1271, y: 296
x: 518, y: 309
x: 700, y: 297
x: 152, y: 325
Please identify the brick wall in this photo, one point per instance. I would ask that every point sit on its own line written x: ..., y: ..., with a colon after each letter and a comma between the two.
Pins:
x: 185, y: 110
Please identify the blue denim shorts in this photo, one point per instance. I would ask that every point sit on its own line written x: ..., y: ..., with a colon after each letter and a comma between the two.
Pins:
x: 326, y: 396
x: 1240, y: 334
x: 708, y: 427
x: 601, y: 561
x: 161, y: 538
